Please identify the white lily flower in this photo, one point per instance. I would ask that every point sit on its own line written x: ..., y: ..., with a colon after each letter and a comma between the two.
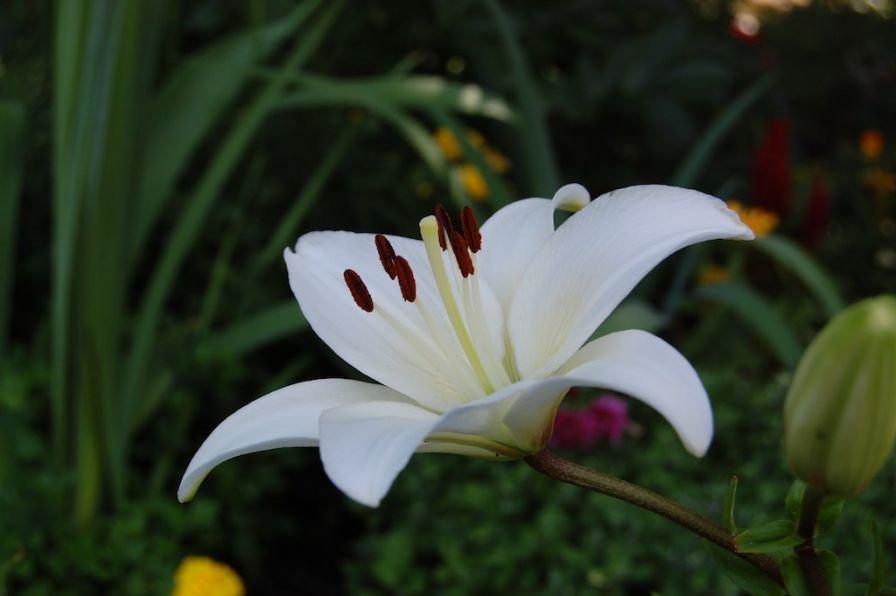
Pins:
x: 475, y: 337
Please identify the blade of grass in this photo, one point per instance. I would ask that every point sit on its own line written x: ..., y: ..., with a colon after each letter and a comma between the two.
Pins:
x: 790, y: 256
x: 12, y: 135
x: 197, y: 207
x: 271, y: 324
x: 689, y: 170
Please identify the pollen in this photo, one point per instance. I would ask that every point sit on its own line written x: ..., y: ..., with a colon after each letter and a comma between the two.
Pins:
x: 406, y: 281
x: 359, y: 291
x: 471, y: 229
x: 459, y: 246
x: 387, y: 254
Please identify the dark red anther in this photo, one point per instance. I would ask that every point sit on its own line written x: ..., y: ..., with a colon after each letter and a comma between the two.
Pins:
x: 405, y: 279
x: 387, y: 254
x: 459, y: 246
x: 359, y: 290
x: 471, y: 229
x: 445, y: 225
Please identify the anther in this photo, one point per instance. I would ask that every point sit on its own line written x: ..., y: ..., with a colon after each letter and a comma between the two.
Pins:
x: 459, y: 246
x: 471, y: 229
x: 405, y: 279
x: 387, y: 254
x: 359, y: 290
x: 445, y: 225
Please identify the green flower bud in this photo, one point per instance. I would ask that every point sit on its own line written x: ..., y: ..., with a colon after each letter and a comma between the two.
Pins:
x: 840, y: 413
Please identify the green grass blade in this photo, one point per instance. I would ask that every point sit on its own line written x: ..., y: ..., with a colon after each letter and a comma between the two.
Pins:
x: 688, y: 172
x: 540, y: 165
x: 12, y: 136
x: 760, y: 316
x: 273, y: 323
x: 188, y: 106
x: 790, y: 256
x: 198, y: 205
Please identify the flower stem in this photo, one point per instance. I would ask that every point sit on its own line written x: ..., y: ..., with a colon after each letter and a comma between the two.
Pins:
x: 556, y: 467
x: 805, y: 551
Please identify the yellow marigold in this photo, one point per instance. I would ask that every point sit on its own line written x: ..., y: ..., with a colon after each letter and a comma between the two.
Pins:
x: 871, y: 143
x: 712, y: 274
x: 202, y: 576
x: 761, y: 221
x: 473, y: 181
x: 881, y: 181
x: 496, y: 160
x: 447, y: 143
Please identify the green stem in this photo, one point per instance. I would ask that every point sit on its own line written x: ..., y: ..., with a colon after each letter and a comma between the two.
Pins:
x: 812, y: 568
x: 558, y: 468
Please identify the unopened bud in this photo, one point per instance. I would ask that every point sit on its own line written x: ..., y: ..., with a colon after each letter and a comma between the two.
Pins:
x: 840, y: 412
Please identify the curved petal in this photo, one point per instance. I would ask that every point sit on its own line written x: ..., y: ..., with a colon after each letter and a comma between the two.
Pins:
x: 510, y: 238
x: 364, y: 446
x: 392, y: 344
x: 596, y: 257
x: 287, y: 417
x: 647, y: 368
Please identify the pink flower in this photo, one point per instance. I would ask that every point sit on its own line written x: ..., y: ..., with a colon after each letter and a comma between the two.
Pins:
x: 605, y: 419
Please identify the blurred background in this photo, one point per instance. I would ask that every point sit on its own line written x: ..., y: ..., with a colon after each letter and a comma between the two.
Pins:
x: 156, y: 158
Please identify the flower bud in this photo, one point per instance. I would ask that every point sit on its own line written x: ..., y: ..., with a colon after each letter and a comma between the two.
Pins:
x: 840, y: 412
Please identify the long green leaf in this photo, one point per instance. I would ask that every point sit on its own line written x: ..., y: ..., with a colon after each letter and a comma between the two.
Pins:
x: 189, y: 104
x: 198, y: 205
x: 760, y: 316
x: 792, y: 257
x: 693, y: 164
x: 273, y: 323
x: 12, y: 149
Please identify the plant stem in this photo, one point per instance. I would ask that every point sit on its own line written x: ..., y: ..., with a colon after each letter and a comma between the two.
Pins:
x: 558, y: 468
x: 812, y: 569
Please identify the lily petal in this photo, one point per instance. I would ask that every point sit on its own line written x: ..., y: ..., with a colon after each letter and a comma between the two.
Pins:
x: 647, y: 368
x: 596, y: 257
x: 287, y: 417
x: 510, y: 238
x: 408, y: 359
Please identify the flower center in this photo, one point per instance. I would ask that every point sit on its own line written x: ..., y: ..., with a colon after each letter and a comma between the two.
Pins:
x: 458, y: 290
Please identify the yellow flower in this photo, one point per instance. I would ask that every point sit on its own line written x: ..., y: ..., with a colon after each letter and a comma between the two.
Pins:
x: 871, y: 143
x: 712, y: 274
x: 881, y: 181
x: 473, y: 181
x: 496, y: 160
x: 202, y: 576
x: 761, y: 221
x: 447, y: 143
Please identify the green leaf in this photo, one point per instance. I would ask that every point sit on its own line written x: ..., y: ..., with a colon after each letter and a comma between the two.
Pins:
x: 745, y: 576
x: 271, y: 324
x: 829, y: 514
x: 760, y: 316
x: 830, y: 564
x: 632, y: 314
x: 191, y: 102
x: 688, y: 172
x: 728, y: 506
x: 794, y: 501
x: 769, y: 537
x: 12, y: 149
x: 879, y: 563
x: 792, y: 574
x: 790, y: 256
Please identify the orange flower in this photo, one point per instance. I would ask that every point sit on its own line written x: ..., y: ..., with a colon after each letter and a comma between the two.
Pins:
x: 712, y: 274
x: 447, y: 143
x: 761, y: 221
x: 473, y: 181
x: 202, y: 576
x: 881, y: 181
x: 871, y: 143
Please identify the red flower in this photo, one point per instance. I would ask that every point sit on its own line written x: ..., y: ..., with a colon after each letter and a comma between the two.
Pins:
x: 818, y: 209
x: 605, y: 419
x: 771, y: 169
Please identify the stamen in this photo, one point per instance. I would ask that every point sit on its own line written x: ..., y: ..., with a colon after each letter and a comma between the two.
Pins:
x: 445, y: 225
x: 459, y: 246
x: 471, y: 229
x: 405, y: 279
x: 387, y: 254
x: 359, y: 290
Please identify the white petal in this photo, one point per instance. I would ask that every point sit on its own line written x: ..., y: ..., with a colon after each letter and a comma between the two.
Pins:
x: 287, y: 417
x: 647, y: 368
x: 510, y: 238
x: 596, y: 257
x: 364, y: 446
x: 571, y: 197
x: 409, y: 361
